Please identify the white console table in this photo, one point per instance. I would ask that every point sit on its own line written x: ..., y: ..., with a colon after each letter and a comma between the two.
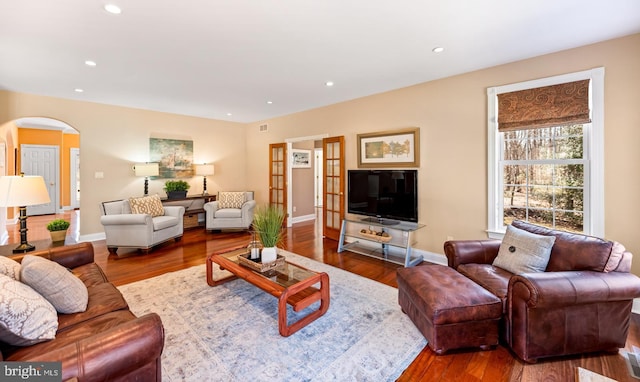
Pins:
x: 401, y: 237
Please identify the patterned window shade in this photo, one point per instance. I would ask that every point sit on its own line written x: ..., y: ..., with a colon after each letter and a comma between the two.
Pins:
x: 547, y: 106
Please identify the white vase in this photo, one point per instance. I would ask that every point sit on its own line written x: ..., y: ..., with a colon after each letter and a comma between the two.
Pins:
x: 269, y: 255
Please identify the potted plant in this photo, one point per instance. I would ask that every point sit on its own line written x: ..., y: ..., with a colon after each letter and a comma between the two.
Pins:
x: 176, y: 189
x: 267, y: 223
x: 58, y: 229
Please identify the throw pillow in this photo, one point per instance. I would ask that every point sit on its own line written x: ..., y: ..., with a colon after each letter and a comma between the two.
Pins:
x: 151, y: 205
x: 522, y: 251
x: 64, y: 290
x: 10, y: 267
x: 228, y: 199
x: 26, y: 318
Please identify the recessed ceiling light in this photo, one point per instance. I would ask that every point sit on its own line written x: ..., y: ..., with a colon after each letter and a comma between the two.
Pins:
x: 229, y: 114
x: 90, y: 63
x: 78, y: 90
x: 112, y: 8
x: 437, y: 49
x: 329, y: 83
x: 269, y: 102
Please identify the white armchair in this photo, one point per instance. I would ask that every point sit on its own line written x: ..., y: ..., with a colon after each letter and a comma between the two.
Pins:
x: 231, y: 210
x: 150, y: 225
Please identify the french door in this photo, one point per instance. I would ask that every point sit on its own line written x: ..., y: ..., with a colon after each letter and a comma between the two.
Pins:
x: 278, y: 176
x: 333, y: 195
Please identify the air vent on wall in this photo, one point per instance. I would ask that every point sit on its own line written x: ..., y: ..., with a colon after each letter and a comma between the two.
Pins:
x: 263, y: 128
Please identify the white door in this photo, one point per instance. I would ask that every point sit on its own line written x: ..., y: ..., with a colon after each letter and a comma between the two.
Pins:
x: 74, y: 178
x: 318, y: 178
x: 44, y: 161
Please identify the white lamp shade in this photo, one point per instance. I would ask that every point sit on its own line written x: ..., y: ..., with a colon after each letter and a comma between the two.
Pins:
x: 146, y: 169
x: 205, y: 169
x: 23, y: 190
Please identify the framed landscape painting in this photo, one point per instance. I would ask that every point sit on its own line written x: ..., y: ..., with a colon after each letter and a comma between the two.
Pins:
x: 398, y: 148
x: 174, y: 156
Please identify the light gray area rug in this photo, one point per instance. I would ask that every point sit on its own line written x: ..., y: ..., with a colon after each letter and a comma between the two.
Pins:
x: 230, y: 332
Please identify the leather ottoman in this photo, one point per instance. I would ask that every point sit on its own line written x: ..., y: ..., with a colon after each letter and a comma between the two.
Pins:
x: 449, y: 309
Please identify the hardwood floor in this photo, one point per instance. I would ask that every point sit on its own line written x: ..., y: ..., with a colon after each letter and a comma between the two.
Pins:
x: 306, y: 239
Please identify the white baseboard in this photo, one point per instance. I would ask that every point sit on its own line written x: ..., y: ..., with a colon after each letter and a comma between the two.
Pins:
x: 432, y: 257
x: 636, y: 306
x: 92, y: 237
x: 303, y: 218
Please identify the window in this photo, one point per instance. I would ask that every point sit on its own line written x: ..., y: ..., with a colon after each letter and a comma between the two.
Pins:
x: 552, y: 175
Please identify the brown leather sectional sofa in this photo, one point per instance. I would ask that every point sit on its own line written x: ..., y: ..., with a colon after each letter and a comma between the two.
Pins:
x: 107, y: 342
x: 581, y: 303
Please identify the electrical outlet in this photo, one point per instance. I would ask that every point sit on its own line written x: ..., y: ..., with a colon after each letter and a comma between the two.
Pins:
x: 294, y: 208
x: 449, y: 238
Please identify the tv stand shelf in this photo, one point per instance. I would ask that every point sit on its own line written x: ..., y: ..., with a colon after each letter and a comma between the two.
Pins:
x: 400, y: 233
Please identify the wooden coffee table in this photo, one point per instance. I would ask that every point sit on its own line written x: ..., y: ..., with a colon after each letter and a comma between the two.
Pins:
x: 289, y: 283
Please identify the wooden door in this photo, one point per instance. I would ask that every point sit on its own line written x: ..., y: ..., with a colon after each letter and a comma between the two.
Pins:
x: 333, y: 195
x: 278, y: 176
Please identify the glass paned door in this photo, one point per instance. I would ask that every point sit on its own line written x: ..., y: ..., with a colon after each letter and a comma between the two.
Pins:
x: 333, y: 170
x: 278, y: 176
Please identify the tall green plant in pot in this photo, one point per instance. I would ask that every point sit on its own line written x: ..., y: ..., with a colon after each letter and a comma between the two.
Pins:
x: 267, y: 223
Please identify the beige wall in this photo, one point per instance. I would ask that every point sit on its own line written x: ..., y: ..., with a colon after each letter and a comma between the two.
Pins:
x: 113, y: 138
x: 452, y: 117
x: 451, y: 114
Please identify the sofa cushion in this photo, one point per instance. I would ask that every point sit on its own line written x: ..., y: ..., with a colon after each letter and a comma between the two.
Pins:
x: 162, y: 222
x: 26, y: 317
x: 151, y: 205
x: 75, y: 333
x: 227, y: 199
x: 522, y: 251
x: 228, y: 213
x: 103, y: 298
x: 10, y: 267
x: 493, y: 279
x: 66, y: 292
x: 572, y: 251
x: 91, y: 274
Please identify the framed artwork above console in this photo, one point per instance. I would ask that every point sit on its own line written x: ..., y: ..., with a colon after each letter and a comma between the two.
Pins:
x: 397, y: 148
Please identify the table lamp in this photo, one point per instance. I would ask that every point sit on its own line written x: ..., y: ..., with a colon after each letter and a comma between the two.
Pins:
x: 146, y: 170
x: 204, y: 170
x: 22, y: 191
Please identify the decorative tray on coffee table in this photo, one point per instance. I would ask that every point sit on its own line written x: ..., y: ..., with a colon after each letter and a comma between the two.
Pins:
x: 256, y: 265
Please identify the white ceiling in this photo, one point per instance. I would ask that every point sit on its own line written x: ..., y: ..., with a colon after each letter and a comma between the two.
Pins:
x: 212, y: 58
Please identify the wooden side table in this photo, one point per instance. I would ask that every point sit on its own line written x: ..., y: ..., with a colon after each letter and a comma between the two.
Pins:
x: 7, y: 249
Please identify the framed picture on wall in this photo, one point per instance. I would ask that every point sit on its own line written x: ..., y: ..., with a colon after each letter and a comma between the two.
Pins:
x: 175, y: 157
x: 300, y: 158
x: 398, y: 148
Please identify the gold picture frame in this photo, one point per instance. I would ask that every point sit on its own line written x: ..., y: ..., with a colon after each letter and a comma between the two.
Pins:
x: 397, y: 148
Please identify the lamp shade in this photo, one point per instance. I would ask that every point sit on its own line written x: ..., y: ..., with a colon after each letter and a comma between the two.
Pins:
x: 146, y: 169
x: 23, y: 190
x: 205, y: 169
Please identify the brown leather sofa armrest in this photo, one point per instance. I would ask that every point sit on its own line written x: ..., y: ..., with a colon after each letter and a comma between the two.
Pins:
x: 471, y: 251
x: 553, y: 289
x: 69, y: 256
x: 112, y: 353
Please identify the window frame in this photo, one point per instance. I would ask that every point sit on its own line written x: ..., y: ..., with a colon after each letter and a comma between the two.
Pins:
x: 593, y: 152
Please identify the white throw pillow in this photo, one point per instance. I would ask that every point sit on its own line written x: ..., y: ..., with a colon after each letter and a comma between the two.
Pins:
x: 66, y: 292
x: 26, y: 318
x: 522, y: 251
x: 10, y: 267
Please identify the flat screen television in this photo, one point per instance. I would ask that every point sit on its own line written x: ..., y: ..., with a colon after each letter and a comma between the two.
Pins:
x: 387, y: 196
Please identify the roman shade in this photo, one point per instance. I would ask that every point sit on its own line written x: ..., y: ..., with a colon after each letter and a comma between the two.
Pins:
x: 554, y: 105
